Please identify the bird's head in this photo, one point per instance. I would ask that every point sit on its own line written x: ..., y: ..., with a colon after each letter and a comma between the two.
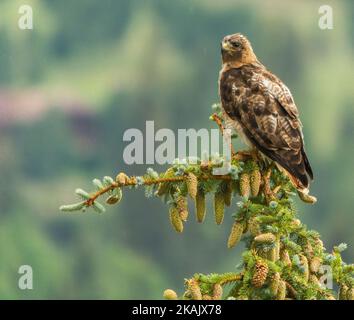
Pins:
x: 237, y: 50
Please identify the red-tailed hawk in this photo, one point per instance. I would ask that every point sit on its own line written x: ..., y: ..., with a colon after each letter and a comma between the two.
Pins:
x: 262, y: 110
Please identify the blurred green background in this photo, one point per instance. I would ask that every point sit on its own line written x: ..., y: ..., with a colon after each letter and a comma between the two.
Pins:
x: 92, y: 69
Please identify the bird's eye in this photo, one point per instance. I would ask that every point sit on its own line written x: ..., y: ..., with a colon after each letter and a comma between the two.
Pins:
x: 236, y: 44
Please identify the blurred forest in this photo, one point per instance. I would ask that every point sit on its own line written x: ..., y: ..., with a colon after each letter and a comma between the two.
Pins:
x: 88, y: 71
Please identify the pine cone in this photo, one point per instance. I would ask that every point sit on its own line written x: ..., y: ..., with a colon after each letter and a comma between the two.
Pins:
x: 260, y: 274
x: 228, y: 193
x: 342, y: 294
x: 319, y: 244
x: 308, y: 250
x: 296, y: 223
x: 235, y: 234
x: 254, y: 226
x: 184, y: 215
x: 305, y: 265
x: 200, y: 205
x: 272, y: 254
x: 245, y: 187
x: 274, y: 284
x: 313, y: 279
x: 255, y: 181
x: 219, y: 207
x: 315, y: 264
x: 277, y: 250
x: 170, y: 294
x: 285, y: 258
x: 281, y: 294
x: 182, y: 207
x: 194, y: 289
x: 217, y: 292
x: 265, y: 238
x: 192, y: 185
x: 350, y: 294
x: 175, y: 219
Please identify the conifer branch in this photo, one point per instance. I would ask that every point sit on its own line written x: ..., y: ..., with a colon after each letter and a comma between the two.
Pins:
x: 282, y: 260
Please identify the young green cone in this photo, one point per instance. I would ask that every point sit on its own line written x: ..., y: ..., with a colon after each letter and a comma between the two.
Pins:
x: 265, y: 238
x: 255, y: 181
x: 182, y: 207
x: 315, y: 264
x: 194, y: 289
x: 170, y: 294
x: 343, y: 290
x: 305, y: 266
x: 281, y: 294
x: 175, y: 219
x: 285, y: 258
x: 200, y: 207
x: 235, y: 234
x: 254, y: 226
x: 350, y: 294
x: 227, y: 193
x: 245, y: 187
x: 219, y: 207
x: 274, y: 284
x: 192, y: 185
x: 313, y: 279
x: 217, y: 292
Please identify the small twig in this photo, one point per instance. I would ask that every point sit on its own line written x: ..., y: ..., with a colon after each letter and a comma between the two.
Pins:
x: 147, y: 182
x: 99, y: 193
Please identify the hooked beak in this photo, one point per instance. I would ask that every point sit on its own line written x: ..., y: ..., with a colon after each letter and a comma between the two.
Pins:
x: 226, y: 45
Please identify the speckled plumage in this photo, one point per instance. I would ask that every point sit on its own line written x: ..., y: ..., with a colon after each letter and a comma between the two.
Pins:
x: 262, y: 110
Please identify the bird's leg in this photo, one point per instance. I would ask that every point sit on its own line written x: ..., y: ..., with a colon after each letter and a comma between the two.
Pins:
x: 248, y: 154
x: 239, y: 155
x: 242, y: 155
x: 256, y: 155
x: 219, y: 121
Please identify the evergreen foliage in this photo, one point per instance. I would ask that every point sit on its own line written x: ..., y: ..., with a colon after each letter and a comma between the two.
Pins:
x: 283, y: 258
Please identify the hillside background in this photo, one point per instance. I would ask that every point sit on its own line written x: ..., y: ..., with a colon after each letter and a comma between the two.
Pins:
x: 92, y: 69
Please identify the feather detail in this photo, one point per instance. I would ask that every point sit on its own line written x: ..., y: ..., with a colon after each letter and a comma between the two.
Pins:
x: 261, y: 109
